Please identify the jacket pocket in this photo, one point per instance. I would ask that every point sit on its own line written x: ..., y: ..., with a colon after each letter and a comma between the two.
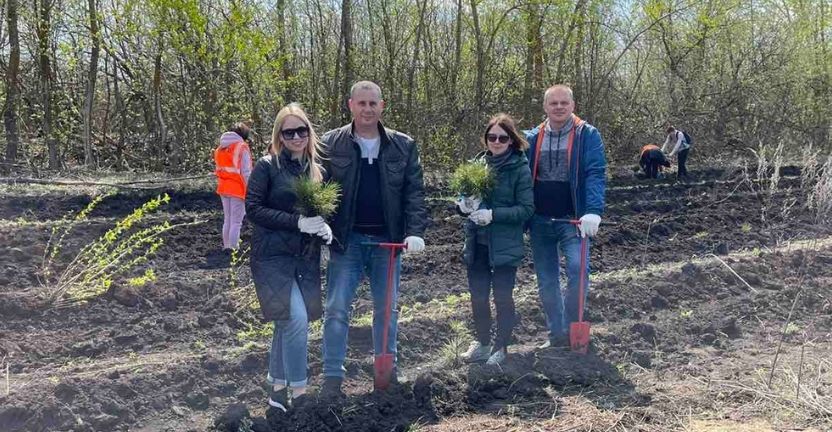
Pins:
x: 340, y: 166
x: 395, y: 172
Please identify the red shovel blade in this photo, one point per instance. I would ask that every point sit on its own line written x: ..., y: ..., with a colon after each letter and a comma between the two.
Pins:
x: 383, y: 366
x: 579, y: 336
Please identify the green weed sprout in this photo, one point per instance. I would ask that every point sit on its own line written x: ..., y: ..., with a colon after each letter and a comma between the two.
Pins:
x: 140, y: 281
x: 472, y: 179
x: 242, y: 290
x: 317, y: 198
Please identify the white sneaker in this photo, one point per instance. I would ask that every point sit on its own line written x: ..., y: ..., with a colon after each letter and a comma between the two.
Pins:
x: 497, y: 358
x: 477, y: 352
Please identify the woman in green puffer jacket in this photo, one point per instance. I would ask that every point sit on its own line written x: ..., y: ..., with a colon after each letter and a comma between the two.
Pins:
x: 494, y: 238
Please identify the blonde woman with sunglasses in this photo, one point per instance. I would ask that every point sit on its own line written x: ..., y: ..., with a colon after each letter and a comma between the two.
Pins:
x: 287, y: 280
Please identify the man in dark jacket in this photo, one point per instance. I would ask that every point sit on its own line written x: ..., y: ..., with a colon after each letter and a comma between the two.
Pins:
x: 382, y: 201
x: 569, y: 174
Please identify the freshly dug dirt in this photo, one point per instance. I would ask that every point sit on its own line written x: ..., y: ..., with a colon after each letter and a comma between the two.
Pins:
x: 177, y: 354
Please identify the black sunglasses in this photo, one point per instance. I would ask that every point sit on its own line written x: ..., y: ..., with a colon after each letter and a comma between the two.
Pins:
x: 501, y: 138
x: 300, y: 132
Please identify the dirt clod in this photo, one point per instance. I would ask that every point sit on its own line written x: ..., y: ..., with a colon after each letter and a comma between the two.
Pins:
x: 232, y: 418
x: 126, y: 296
x: 645, y: 330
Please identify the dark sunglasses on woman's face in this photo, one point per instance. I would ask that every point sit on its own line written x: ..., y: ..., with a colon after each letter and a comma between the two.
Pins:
x: 494, y: 138
x: 300, y: 132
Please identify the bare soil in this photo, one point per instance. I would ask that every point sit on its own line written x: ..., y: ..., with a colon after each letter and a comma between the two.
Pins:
x: 680, y: 341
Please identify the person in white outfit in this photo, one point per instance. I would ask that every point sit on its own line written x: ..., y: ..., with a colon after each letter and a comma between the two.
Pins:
x: 680, y: 148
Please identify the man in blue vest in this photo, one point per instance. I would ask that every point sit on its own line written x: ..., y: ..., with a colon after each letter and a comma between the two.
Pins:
x: 568, y: 166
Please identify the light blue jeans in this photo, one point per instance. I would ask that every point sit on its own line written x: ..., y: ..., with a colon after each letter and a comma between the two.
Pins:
x: 288, y: 356
x: 549, y: 241
x: 344, y: 274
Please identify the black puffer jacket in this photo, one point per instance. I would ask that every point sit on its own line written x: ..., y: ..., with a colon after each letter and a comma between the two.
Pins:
x: 277, y: 245
x: 402, y: 194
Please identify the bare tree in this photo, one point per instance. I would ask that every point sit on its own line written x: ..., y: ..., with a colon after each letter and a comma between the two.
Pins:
x: 411, y: 72
x: 12, y: 89
x: 161, y: 126
x: 44, y: 11
x: 341, y: 87
x: 92, y: 75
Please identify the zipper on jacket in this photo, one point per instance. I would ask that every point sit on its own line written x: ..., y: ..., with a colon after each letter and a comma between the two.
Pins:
x: 382, y: 177
x: 351, y: 216
x: 557, y: 156
x: 576, y: 142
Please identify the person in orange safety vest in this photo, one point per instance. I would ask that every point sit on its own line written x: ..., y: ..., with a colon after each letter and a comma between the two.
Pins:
x: 652, y: 160
x: 233, y: 166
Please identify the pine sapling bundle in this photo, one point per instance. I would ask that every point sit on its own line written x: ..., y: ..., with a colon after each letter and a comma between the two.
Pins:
x: 317, y: 198
x: 472, y: 179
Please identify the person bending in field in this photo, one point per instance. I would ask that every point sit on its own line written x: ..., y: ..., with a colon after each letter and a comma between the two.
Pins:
x: 652, y: 160
x: 285, y: 258
x: 678, y: 144
x: 494, y: 238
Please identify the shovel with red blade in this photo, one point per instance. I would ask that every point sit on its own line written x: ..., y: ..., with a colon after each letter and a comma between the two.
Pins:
x: 383, y: 364
x: 579, y: 331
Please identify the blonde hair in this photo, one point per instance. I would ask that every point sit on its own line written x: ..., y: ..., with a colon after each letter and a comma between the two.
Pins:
x: 313, y: 146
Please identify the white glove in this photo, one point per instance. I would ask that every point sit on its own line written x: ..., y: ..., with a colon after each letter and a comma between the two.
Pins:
x: 414, y: 244
x: 468, y: 204
x: 481, y: 217
x: 589, y: 224
x: 326, y: 233
x: 311, y: 225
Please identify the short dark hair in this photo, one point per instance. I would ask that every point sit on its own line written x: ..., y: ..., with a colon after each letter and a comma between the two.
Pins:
x: 242, y: 129
x: 671, y: 129
x: 505, y: 121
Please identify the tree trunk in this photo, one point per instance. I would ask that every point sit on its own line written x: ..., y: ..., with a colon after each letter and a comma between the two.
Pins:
x: 411, y: 73
x: 285, y: 51
x: 92, y: 75
x: 479, y: 82
x: 161, y: 127
x: 457, y: 58
x: 577, y: 86
x: 564, y: 46
x: 122, y: 122
x: 534, y: 60
x: 44, y: 9
x: 341, y: 87
x: 12, y: 90
x: 823, y: 88
x: 346, y: 31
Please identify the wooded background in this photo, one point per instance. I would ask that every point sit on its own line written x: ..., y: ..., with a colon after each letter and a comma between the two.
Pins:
x: 151, y: 84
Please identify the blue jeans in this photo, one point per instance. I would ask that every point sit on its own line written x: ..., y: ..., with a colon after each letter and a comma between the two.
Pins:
x: 549, y: 241
x: 344, y: 274
x: 287, y: 359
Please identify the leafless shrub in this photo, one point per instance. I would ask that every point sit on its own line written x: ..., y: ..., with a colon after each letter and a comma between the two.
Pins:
x: 764, y: 183
x: 819, y: 195
x: 808, y: 168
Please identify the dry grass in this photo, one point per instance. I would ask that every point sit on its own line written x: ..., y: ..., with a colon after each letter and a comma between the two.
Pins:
x: 800, y: 393
x: 819, y: 196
